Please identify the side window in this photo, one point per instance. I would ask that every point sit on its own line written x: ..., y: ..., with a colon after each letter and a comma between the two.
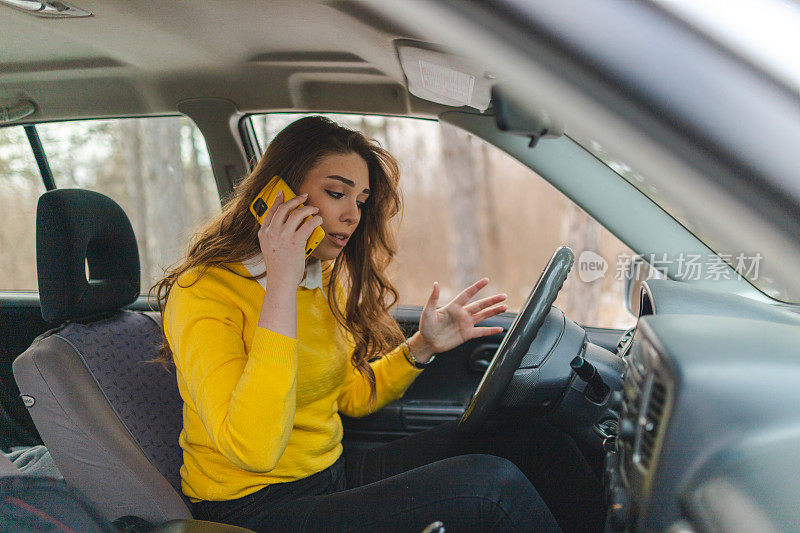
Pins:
x: 157, y: 169
x: 495, y: 218
x: 21, y: 187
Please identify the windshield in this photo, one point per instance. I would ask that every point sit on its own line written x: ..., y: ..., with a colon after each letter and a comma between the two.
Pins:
x: 687, y: 106
x: 742, y: 254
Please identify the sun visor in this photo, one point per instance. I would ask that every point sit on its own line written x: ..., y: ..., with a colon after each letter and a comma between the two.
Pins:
x: 444, y: 78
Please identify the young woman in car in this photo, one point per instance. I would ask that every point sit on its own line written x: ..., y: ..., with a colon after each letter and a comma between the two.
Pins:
x: 270, y: 347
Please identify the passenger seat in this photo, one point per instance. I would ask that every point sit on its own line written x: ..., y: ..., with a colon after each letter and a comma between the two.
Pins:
x: 110, y: 418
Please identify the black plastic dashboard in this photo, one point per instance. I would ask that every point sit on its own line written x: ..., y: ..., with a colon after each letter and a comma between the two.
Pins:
x: 709, y: 434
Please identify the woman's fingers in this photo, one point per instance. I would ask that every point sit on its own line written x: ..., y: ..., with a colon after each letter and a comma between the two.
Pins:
x: 465, y: 295
x: 286, y: 208
x: 490, y: 312
x: 434, y: 297
x: 271, y: 211
x: 297, y: 216
x: 307, y: 228
x: 483, y: 303
x: 483, y: 332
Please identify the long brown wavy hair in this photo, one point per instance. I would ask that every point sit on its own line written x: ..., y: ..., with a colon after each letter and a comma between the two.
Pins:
x: 232, y: 236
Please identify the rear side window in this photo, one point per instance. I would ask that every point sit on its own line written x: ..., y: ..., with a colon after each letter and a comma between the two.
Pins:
x: 157, y: 169
x: 21, y: 187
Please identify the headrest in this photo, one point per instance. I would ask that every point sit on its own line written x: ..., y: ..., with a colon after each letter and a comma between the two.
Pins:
x: 75, y: 227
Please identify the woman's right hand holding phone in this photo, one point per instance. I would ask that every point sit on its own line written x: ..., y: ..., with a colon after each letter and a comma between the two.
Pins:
x: 283, y: 237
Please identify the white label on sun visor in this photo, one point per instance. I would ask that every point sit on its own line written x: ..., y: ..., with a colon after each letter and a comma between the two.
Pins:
x: 447, y: 82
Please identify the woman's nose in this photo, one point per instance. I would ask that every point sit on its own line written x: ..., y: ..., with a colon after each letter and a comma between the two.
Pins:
x: 351, y: 214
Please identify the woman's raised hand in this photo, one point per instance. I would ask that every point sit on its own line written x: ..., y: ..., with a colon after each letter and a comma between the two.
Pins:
x: 283, y: 237
x: 445, y: 328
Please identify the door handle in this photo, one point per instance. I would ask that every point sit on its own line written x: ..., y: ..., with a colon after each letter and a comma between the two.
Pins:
x: 425, y: 414
x: 479, y: 365
x: 480, y: 358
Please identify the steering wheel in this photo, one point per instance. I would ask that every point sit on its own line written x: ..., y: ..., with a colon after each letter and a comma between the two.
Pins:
x: 517, y: 341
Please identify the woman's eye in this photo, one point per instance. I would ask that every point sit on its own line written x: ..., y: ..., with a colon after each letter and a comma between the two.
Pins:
x: 337, y: 195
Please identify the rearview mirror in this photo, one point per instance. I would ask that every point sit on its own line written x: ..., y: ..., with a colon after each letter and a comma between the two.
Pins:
x: 514, y: 118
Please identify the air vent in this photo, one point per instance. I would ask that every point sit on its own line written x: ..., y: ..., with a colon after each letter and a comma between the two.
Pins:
x: 652, y: 419
x: 624, y: 342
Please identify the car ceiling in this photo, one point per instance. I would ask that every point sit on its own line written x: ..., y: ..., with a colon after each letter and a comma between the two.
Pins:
x: 132, y: 58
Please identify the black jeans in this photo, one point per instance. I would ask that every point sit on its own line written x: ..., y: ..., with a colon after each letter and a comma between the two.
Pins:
x: 440, y: 475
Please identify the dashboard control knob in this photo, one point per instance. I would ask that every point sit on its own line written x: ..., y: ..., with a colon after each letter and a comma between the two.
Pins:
x: 606, y: 428
x: 596, y: 389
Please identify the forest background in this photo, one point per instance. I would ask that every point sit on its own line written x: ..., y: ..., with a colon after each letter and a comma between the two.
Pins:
x: 469, y: 210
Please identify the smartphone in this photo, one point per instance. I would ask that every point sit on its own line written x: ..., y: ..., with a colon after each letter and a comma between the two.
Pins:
x: 266, y: 198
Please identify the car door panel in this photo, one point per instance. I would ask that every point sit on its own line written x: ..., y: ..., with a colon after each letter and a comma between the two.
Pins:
x: 438, y: 395
x: 20, y: 323
x: 442, y: 391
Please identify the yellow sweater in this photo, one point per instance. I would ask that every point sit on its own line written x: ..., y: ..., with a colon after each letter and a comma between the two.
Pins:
x: 259, y: 407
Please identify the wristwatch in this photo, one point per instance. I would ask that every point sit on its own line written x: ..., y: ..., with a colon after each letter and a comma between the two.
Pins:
x: 412, y: 361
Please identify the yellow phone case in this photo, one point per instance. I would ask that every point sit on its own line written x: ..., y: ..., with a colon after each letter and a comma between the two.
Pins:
x: 266, y: 198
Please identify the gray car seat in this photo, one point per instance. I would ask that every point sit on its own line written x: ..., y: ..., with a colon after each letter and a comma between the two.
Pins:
x: 35, y: 503
x: 110, y: 418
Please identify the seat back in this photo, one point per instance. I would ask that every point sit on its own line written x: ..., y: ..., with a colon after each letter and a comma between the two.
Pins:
x: 110, y: 418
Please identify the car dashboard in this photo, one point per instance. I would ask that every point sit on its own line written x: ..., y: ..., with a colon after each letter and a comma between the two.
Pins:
x: 709, y: 429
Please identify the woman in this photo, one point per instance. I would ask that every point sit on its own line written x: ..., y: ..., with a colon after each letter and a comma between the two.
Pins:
x: 260, y: 338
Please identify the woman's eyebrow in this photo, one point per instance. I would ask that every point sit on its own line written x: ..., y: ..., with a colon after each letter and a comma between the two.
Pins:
x: 346, y: 181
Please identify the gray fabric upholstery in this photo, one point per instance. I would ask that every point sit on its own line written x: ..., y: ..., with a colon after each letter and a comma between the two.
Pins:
x: 143, y: 394
x: 7, y: 468
x: 33, y: 461
x: 110, y: 420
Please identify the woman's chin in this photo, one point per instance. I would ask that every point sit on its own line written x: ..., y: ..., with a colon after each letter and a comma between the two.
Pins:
x: 322, y: 253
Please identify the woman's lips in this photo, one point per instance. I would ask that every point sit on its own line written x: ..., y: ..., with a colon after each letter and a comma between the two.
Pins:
x: 337, y: 240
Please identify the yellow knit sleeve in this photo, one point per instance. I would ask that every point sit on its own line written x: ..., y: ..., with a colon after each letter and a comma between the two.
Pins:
x: 245, y: 400
x: 393, y: 375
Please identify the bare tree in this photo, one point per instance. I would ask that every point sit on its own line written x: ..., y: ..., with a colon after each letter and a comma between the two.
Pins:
x: 198, y: 200
x: 135, y: 192
x: 166, y: 204
x: 461, y: 205
x: 21, y: 185
x: 491, y: 241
